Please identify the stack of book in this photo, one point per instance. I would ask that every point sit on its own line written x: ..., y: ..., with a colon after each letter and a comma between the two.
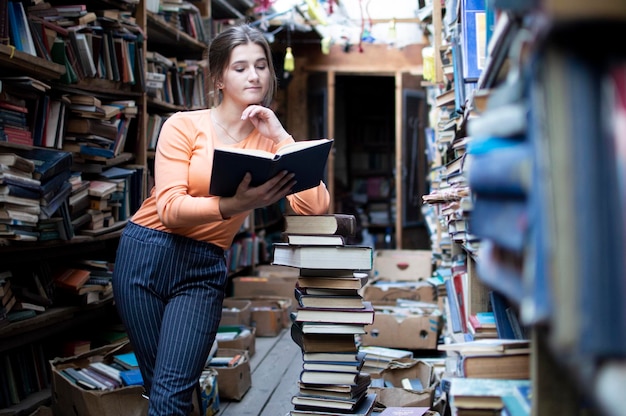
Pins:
x: 330, y: 313
x: 34, y: 189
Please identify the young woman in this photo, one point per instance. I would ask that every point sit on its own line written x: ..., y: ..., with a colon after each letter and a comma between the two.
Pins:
x: 170, y: 272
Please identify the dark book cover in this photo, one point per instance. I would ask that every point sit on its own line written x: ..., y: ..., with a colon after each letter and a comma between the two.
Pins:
x: 307, y: 162
x: 48, y: 162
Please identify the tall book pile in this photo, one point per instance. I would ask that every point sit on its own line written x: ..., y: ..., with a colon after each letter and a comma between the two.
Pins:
x: 330, y: 313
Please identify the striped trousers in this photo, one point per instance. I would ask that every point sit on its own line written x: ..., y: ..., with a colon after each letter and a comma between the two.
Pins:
x: 168, y: 290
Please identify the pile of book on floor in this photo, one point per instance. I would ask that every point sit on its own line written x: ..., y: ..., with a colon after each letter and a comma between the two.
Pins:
x: 330, y: 313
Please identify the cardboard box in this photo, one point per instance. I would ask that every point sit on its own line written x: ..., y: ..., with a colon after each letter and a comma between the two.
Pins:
x: 71, y: 400
x: 269, y: 315
x: 235, y: 312
x: 233, y: 382
x: 402, y: 264
x: 385, y: 292
x: 403, y: 328
x: 245, y: 341
x: 255, y: 286
x: 401, y: 397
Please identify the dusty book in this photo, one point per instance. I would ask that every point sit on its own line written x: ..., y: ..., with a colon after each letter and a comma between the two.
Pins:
x: 306, y: 159
x: 324, y: 224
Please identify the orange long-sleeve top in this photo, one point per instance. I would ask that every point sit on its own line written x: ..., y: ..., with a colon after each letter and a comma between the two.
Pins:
x: 180, y: 202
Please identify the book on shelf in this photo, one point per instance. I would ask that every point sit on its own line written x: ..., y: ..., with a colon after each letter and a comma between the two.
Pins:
x: 16, y: 161
x: 20, y: 29
x: 306, y: 159
x: 353, y: 257
x: 363, y: 315
x: 71, y: 279
x: 364, y: 408
x: 47, y: 162
x: 325, y: 224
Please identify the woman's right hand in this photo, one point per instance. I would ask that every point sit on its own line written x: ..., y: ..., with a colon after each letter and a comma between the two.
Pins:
x: 248, y: 198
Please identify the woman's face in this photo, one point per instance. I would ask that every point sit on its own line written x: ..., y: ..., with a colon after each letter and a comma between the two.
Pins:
x: 246, y: 78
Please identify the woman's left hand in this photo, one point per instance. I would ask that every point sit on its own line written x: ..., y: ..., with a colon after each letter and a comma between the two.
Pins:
x: 266, y: 122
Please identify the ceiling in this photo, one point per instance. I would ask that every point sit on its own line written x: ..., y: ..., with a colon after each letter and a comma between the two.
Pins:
x: 346, y: 22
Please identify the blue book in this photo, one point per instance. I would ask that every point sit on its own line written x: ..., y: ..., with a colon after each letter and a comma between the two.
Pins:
x: 14, y: 26
x: 48, y: 162
x: 127, y: 360
x: 131, y: 377
x: 503, y: 221
x: 474, y: 34
x: 504, y: 172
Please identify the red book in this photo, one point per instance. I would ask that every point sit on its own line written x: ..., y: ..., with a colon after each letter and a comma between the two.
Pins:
x: 72, y: 279
x: 14, y: 107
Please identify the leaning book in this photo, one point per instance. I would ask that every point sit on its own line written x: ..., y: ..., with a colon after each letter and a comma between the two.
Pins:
x: 306, y: 159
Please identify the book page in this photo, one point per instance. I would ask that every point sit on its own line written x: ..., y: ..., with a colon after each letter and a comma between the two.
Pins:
x: 294, y: 147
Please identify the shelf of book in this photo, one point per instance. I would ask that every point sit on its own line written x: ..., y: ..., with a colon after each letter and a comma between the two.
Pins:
x: 53, y: 321
x: 522, y: 244
x: 14, y: 60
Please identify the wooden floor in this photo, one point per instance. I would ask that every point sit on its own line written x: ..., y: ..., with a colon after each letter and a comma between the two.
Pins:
x: 275, y: 366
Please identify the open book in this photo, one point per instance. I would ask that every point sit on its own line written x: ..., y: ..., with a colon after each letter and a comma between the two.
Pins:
x: 307, y: 159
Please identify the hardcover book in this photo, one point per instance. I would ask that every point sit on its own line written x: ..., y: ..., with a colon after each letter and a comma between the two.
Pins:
x: 306, y: 159
x: 333, y: 282
x: 331, y: 257
x: 364, y: 408
x: 325, y: 224
x: 364, y: 315
x: 47, y: 162
x: 335, y: 343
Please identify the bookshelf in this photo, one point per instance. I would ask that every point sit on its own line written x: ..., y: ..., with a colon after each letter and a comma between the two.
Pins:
x: 562, y: 101
x: 179, y: 35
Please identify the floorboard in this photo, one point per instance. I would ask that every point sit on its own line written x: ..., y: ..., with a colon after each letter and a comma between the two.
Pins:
x: 275, y: 368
